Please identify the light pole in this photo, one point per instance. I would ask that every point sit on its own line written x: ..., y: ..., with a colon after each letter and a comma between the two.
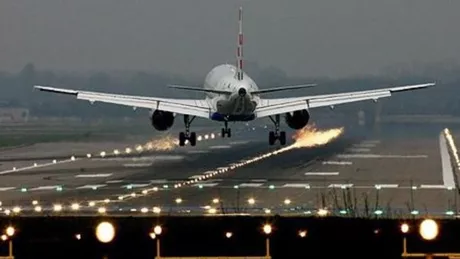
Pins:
x: 404, y: 230
x: 267, y: 230
x: 157, y: 231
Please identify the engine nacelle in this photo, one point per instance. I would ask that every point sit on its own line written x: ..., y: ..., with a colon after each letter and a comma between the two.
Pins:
x: 297, y: 119
x: 162, y: 120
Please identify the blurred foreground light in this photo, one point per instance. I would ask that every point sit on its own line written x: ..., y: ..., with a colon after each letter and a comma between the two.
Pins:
x: 302, y: 233
x: 287, y: 201
x: 4, y: 238
x: 251, y: 201
x: 267, y: 229
x: 215, y: 200
x: 268, y: 211
x: 178, y: 200
x: 156, y: 210
x: 105, y: 232
x: 212, y: 211
x: 229, y: 234
x: 16, y: 209
x: 78, y: 236
x: 322, y: 212
x: 57, y: 207
x: 404, y: 228
x: 144, y: 210
x: 10, y: 231
x: 33, y: 203
x: 38, y: 209
x: 152, y: 235
x: 92, y: 203
x: 75, y: 206
x: 102, y: 210
x: 429, y: 229
x: 157, y: 230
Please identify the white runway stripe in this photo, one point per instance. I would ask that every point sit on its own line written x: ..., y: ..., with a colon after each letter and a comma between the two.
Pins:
x: 115, y: 181
x: 197, y: 151
x: 45, y: 188
x: 36, y: 166
x: 433, y: 186
x: 138, y: 165
x: 220, y: 147
x: 136, y: 185
x: 92, y: 186
x: 259, y: 180
x: 322, y: 173
x: 92, y: 175
x: 337, y: 163
x: 387, y: 185
x: 206, y: 184
x: 250, y: 185
x: 359, y: 150
x: 239, y: 142
x: 379, y: 156
x: 296, y: 185
x: 335, y: 185
x: 365, y: 145
x: 158, y: 181
x: 4, y: 189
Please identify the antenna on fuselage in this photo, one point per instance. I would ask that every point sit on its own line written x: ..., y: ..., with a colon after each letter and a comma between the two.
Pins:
x: 239, y: 52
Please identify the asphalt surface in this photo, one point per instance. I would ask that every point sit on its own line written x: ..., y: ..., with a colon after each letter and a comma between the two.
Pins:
x: 378, y: 174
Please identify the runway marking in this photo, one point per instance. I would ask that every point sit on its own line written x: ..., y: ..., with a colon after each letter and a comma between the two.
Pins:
x: 337, y: 163
x: 322, y: 173
x: 138, y: 165
x: 91, y: 186
x: 45, y: 188
x: 371, y: 142
x: 196, y: 176
x: 434, y: 186
x: 335, y: 185
x: 219, y: 147
x: 239, y: 142
x: 205, y: 184
x: 92, y: 175
x: 136, y: 185
x: 359, y: 150
x: 365, y: 145
x: 379, y: 156
x: 296, y: 185
x: 386, y: 185
x: 4, y: 189
x: 446, y: 162
x: 197, y: 151
x: 250, y: 185
x: 15, y: 170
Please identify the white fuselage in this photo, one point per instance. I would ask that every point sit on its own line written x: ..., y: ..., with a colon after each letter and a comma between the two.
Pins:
x: 238, y: 106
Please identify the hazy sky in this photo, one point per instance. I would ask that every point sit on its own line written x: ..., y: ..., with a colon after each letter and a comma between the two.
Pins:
x: 303, y: 37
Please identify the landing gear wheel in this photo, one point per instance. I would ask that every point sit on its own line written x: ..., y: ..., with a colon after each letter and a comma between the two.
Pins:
x: 226, y: 131
x: 282, y: 138
x: 182, y: 139
x: 192, y: 139
x: 187, y: 135
x: 271, y: 138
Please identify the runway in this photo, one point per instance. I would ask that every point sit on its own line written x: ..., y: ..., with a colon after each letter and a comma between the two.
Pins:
x: 372, y: 175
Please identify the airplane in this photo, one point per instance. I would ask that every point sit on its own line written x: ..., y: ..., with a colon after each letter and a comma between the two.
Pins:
x: 232, y: 96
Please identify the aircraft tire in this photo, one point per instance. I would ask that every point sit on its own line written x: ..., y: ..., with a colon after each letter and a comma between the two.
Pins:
x: 192, y: 139
x: 283, y: 138
x: 271, y: 138
x: 181, y: 139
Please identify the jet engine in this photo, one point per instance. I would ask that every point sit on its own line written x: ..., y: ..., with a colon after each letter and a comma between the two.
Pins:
x: 162, y: 120
x: 298, y: 119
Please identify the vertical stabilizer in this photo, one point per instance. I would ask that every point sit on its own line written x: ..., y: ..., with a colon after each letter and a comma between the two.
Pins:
x: 239, y: 52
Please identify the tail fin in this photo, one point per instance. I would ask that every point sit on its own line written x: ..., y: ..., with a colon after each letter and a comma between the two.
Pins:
x: 239, y: 52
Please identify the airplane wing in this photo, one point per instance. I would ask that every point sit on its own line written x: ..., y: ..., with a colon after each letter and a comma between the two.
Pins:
x: 269, y: 107
x: 199, y: 108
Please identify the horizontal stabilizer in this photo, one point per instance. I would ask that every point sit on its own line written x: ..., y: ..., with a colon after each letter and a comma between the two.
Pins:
x: 198, y: 89
x: 282, y: 88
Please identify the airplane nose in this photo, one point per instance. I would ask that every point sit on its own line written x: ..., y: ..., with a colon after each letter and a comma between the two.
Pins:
x: 242, y: 91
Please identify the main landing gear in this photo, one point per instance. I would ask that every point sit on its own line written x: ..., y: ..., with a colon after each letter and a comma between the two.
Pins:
x: 277, y: 134
x: 187, y: 135
x: 226, y: 131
